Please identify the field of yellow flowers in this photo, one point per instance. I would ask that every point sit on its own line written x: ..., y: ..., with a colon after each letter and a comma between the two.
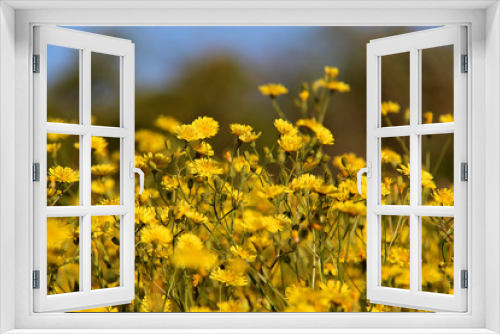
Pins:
x: 251, y: 229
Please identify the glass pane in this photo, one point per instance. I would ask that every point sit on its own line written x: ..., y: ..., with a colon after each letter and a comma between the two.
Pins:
x: 395, y: 251
x: 437, y: 254
x: 437, y: 85
x: 63, y: 165
x: 437, y: 170
x: 105, y: 171
x: 105, y: 89
x: 105, y: 250
x: 395, y: 171
x: 395, y: 92
x: 63, y: 84
x: 63, y: 255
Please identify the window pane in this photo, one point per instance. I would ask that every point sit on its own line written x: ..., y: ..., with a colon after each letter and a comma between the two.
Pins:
x: 105, y: 252
x: 395, y: 251
x: 437, y: 84
x: 63, y: 165
x: 63, y: 255
x: 437, y: 254
x: 395, y: 93
x: 105, y: 89
x: 437, y: 170
x: 105, y: 171
x: 395, y: 171
x: 63, y: 84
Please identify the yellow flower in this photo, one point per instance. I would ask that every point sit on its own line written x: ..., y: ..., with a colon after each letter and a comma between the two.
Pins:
x: 103, y: 169
x: 331, y: 72
x: 206, y: 126
x: 351, y: 207
x: 243, y: 253
x: 405, y: 170
x: 388, y: 156
x: 228, y: 277
x: 150, y: 141
x: 324, y: 136
x: 339, y: 86
x: 234, y: 306
x: 189, y: 242
x: 167, y: 123
x: 169, y: 182
x: 99, y: 146
x: 56, y: 136
x: 290, y: 142
x: 240, y: 129
x: 399, y: 255
x: 146, y: 215
x: 273, y: 90
x: 444, y: 197
x: 100, y: 187
x: 427, y: 178
x: 199, y: 309
x: 156, y: 160
x: 206, y: 167
x: 249, y: 137
x: 196, y: 217
x: 306, y: 181
x: 447, y: 118
x: 304, y: 95
x: 156, y: 235
x: 59, y: 232
x: 283, y: 126
x: 53, y: 148
x: 187, y: 132
x: 273, y: 191
x: 349, y: 163
x: 155, y: 302
x: 389, y: 107
x: 203, y: 148
x: 191, y: 253
x: 63, y: 174
x: 428, y: 117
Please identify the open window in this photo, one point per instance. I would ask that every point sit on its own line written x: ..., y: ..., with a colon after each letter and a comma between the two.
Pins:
x: 401, y: 208
x: 66, y: 212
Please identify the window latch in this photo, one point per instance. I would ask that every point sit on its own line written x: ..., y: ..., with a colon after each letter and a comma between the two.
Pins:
x: 368, y: 171
x: 134, y: 170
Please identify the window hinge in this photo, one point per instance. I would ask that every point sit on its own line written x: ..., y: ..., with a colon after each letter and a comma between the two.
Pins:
x: 36, y: 63
x: 36, y: 172
x: 465, y: 64
x: 36, y: 279
x: 464, y: 171
x: 465, y: 279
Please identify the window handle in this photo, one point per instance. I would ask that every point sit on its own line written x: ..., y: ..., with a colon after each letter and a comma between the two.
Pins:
x: 368, y: 171
x: 134, y: 170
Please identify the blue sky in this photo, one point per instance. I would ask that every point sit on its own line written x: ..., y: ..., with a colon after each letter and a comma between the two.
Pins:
x: 163, y: 50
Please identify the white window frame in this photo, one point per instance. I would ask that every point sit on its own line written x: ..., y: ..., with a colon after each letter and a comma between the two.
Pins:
x: 483, y: 21
x: 413, y: 44
x: 86, y: 43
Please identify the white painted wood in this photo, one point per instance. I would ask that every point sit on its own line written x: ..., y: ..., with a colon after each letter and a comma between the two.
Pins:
x: 472, y: 321
x: 86, y: 43
x: 413, y: 43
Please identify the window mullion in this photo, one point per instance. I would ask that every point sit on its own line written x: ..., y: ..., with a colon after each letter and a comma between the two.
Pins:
x: 414, y: 170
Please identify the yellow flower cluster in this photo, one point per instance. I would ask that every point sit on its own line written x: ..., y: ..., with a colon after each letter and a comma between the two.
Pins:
x: 250, y: 229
